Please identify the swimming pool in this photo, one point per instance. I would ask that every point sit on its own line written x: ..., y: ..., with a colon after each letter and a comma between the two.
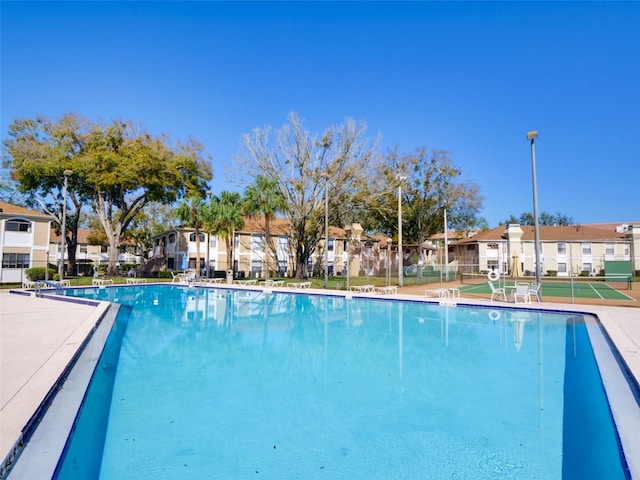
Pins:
x: 220, y: 383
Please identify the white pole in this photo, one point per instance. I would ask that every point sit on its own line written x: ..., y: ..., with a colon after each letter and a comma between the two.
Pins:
x: 400, y: 255
x: 348, y: 265
x: 532, y: 137
x: 446, y: 244
x: 326, y: 234
x: 64, y: 223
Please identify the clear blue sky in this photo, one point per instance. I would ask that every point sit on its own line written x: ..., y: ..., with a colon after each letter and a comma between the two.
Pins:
x: 470, y: 77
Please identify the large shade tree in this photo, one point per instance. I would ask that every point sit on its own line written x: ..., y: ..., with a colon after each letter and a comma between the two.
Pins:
x: 38, y: 152
x: 429, y: 183
x: 264, y: 197
x: 338, y: 162
x: 118, y: 167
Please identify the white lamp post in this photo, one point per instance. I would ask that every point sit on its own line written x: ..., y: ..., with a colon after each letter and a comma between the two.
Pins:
x: 531, y: 136
x: 326, y: 231
x: 446, y: 244
x: 208, y: 199
x: 400, y: 255
x: 64, y: 223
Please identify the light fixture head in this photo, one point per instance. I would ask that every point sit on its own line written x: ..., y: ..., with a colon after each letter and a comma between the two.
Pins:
x: 67, y: 172
x: 532, y: 135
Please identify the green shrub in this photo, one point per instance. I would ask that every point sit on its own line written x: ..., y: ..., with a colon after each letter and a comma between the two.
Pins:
x: 165, y: 274
x: 37, y: 273
x: 552, y: 273
x: 584, y: 273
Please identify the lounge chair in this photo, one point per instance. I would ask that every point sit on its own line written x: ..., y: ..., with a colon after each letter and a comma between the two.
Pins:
x: 437, y: 292
x: 362, y: 288
x: 500, y: 292
x: 187, y: 276
x: 521, y: 292
x: 534, y: 291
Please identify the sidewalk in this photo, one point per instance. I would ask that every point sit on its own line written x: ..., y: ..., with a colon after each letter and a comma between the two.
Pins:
x: 38, y: 339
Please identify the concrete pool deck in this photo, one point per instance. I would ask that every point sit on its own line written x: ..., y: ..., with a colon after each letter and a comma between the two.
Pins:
x: 39, y: 337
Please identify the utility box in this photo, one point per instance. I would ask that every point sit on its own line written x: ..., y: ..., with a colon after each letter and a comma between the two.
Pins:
x: 229, y: 277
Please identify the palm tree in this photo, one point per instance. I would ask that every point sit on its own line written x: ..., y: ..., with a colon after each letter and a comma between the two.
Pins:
x: 223, y: 218
x: 265, y: 198
x: 192, y: 211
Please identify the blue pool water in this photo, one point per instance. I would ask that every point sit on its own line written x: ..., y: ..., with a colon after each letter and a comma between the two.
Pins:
x: 216, y: 383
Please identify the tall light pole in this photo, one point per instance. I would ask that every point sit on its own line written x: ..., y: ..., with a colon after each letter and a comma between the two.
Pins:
x: 63, y: 240
x: 326, y: 229
x: 400, y: 255
x: 531, y: 136
x: 207, y: 205
x: 446, y: 244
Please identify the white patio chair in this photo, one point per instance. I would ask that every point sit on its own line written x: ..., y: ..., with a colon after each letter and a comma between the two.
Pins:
x: 500, y: 292
x: 534, y: 291
x: 521, y: 292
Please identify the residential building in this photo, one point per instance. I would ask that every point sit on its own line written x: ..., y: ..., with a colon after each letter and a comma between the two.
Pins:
x: 438, y: 243
x: 564, y: 250
x: 348, y: 250
x: 86, y: 255
x: 89, y: 256
x: 24, y: 241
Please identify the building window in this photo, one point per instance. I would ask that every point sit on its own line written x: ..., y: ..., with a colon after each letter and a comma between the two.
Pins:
x: 492, y: 246
x: 192, y: 237
x: 562, y: 248
x: 562, y: 267
x: 15, y: 260
x: 626, y: 249
x: 213, y: 242
x: 193, y: 265
x: 256, y: 268
x: 18, y: 226
x: 586, y: 267
x: 172, y: 238
x: 156, y: 242
x: 331, y: 241
x: 586, y: 248
x: 257, y: 244
x: 608, y: 249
